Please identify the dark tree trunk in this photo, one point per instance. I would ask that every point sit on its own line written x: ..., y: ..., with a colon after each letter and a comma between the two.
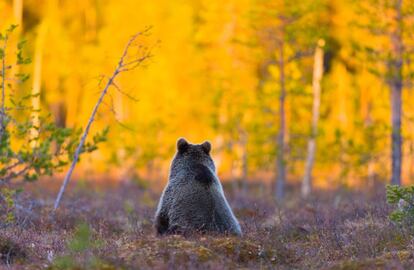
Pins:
x: 59, y: 111
x: 245, y: 168
x: 395, y: 77
x: 280, y: 160
x: 396, y: 145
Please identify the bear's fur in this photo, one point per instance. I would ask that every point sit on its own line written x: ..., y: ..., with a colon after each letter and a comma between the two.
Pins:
x: 193, y: 199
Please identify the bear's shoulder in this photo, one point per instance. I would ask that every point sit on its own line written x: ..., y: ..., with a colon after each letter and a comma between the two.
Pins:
x: 203, y: 174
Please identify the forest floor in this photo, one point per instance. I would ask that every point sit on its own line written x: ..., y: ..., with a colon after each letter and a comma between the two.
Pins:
x: 109, y: 226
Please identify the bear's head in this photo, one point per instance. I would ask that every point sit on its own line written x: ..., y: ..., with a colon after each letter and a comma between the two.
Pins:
x: 189, y: 155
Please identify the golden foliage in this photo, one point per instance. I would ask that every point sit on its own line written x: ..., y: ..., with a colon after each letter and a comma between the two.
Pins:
x: 214, y: 76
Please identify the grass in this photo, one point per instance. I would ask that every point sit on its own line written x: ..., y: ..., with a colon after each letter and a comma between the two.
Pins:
x: 109, y: 226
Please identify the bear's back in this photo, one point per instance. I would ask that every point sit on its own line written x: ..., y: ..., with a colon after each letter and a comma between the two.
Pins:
x: 194, y: 198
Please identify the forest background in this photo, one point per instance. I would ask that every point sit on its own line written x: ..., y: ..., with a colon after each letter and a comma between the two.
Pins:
x: 243, y: 74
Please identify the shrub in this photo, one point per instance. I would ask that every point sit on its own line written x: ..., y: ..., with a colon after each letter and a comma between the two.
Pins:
x: 79, y: 254
x: 31, y: 144
x: 404, y: 198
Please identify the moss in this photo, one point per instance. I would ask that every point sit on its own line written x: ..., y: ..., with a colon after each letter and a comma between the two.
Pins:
x: 184, y: 249
x: 385, y: 261
x: 204, y: 254
x: 402, y: 255
x: 360, y: 265
x: 405, y: 255
x: 243, y: 250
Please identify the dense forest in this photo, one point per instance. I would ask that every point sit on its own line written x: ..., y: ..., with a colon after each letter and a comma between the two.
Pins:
x: 308, y: 106
x: 225, y: 72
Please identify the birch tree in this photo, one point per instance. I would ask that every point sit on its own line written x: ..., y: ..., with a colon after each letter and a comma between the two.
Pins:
x: 316, y: 87
x: 37, y: 77
x: 287, y: 38
x: 17, y: 20
x: 127, y: 62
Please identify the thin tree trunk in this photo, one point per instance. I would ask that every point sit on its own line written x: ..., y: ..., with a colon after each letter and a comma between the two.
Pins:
x: 280, y: 160
x: 395, y: 77
x: 123, y: 65
x: 3, y: 89
x: 411, y: 167
x: 396, y: 145
x: 59, y: 112
x: 18, y: 11
x: 37, y: 79
x: 18, y: 20
x: 244, y: 165
x: 316, y: 86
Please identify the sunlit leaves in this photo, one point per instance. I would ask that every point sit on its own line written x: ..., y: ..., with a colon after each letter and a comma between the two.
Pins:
x: 21, y: 44
x: 11, y: 28
x: 29, y: 147
x: 21, y: 60
x: 22, y: 77
x: 215, y: 76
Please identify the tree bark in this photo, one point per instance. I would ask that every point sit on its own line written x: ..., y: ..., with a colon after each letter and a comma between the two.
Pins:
x: 37, y: 79
x: 18, y: 20
x: 18, y: 12
x: 396, y: 145
x: 280, y: 159
x: 395, y: 77
x: 316, y: 86
x: 244, y: 160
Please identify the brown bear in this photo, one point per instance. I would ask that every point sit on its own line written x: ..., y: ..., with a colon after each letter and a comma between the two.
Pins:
x: 193, y: 200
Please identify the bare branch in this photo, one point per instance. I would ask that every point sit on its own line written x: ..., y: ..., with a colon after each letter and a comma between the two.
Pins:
x: 13, y: 165
x: 112, y: 109
x: 111, y: 106
x: 299, y: 55
x: 14, y: 175
x: 119, y: 68
x: 137, y: 61
x: 124, y: 93
x: 134, y: 63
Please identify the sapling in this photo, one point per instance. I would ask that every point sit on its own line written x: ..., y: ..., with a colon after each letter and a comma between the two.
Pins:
x: 22, y: 155
x: 403, y: 197
x: 126, y: 63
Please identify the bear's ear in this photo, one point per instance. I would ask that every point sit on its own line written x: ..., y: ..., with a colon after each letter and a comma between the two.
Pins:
x: 206, y: 147
x: 182, y: 145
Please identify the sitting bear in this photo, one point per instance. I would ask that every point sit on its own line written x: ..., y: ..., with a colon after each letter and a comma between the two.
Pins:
x: 193, y: 200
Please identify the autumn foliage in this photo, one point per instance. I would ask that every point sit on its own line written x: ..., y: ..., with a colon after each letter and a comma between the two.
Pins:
x: 216, y: 75
x: 311, y: 95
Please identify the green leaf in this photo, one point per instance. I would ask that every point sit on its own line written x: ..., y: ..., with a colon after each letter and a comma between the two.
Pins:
x: 404, y: 197
x: 394, y: 193
x: 22, y: 77
x: 55, y: 146
x: 397, y: 216
x: 21, y: 43
x: 11, y: 28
